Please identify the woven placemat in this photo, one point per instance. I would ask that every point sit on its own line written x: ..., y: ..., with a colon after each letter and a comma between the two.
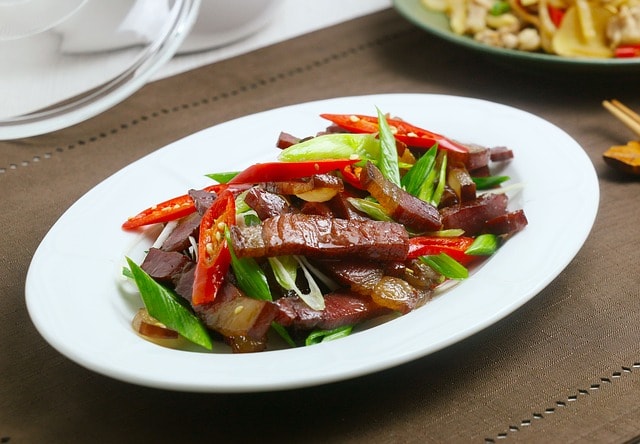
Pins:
x: 563, y: 368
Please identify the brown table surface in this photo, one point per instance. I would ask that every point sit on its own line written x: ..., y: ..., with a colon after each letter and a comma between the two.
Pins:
x: 565, y: 367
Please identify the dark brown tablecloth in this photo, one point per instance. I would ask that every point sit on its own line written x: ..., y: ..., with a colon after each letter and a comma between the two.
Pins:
x: 563, y: 368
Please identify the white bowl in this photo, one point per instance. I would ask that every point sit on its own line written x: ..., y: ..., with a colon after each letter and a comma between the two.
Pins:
x: 221, y: 22
x: 64, y: 61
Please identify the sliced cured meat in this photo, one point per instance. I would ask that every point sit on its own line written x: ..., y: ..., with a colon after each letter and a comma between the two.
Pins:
x: 313, y: 235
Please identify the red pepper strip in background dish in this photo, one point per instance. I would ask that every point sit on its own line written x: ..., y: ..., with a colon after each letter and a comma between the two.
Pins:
x: 627, y: 51
x: 281, y: 171
x: 455, y: 247
x: 214, y: 257
x: 403, y: 131
x: 555, y: 14
x: 168, y: 210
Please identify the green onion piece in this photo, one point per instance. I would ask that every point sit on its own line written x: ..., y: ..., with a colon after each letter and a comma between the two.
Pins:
x: 251, y: 219
x: 404, y: 166
x: 315, y: 298
x: 127, y: 273
x: 485, y: 183
x: 285, y: 270
x: 241, y: 205
x: 169, y: 308
x: 483, y: 245
x: 446, y: 266
x: 317, y: 336
x: 372, y: 209
x: 388, y: 161
x: 334, y: 146
x: 414, y: 178
x: 318, y: 274
x: 427, y: 188
x: 442, y: 179
x: 499, y: 7
x: 251, y: 279
x: 284, y: 334
x: 245, y: 211
x: 450, y: 232
x: 222, y: 177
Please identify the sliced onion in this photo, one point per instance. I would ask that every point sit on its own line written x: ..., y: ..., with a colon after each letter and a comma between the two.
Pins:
x: 318, y: 194
x: 150, y: 328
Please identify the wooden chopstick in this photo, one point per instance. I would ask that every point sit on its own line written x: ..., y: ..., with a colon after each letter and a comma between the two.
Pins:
x: 624, y: 114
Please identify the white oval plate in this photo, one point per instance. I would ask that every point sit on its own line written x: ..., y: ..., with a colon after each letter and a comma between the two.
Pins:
x: 75, y: 297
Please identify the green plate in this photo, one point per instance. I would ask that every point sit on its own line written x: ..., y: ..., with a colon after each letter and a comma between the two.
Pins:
x: 437, y: 23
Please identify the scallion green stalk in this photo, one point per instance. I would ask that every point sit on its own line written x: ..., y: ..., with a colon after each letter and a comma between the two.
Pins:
x: 372, y: 209
x: 250, y: 277
x: 285, y: 270
x: 243, y: 211
x: 222, y: 177
x: 485, y: 183
x: 287, y: 279
x: 317, y: 336
x: 428, y: 186
x: 388, y: 160
x: 169, y: 308
x: 483, y: 245
x: 283, y: 333
x: 334, y: 146
x: 442, y: 179
x: 446, y: 266
x: 413, y: 180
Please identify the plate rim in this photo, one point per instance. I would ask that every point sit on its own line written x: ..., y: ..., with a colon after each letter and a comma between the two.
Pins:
x: 323, y: 351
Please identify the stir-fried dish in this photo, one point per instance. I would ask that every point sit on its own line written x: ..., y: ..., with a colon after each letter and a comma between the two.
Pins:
x: 365, y: 220
x: 571, y: 28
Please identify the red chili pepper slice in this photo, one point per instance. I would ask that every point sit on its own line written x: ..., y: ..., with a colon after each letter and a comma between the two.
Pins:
x: 431, y: 245
x: 181, y: 206
x: 351, y: 175
x: 404, y: 132
x: 627, y: 51
x: 168, y: 210
x: 555, y: 15
x: 214, y: 257
x: 280, y: 171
